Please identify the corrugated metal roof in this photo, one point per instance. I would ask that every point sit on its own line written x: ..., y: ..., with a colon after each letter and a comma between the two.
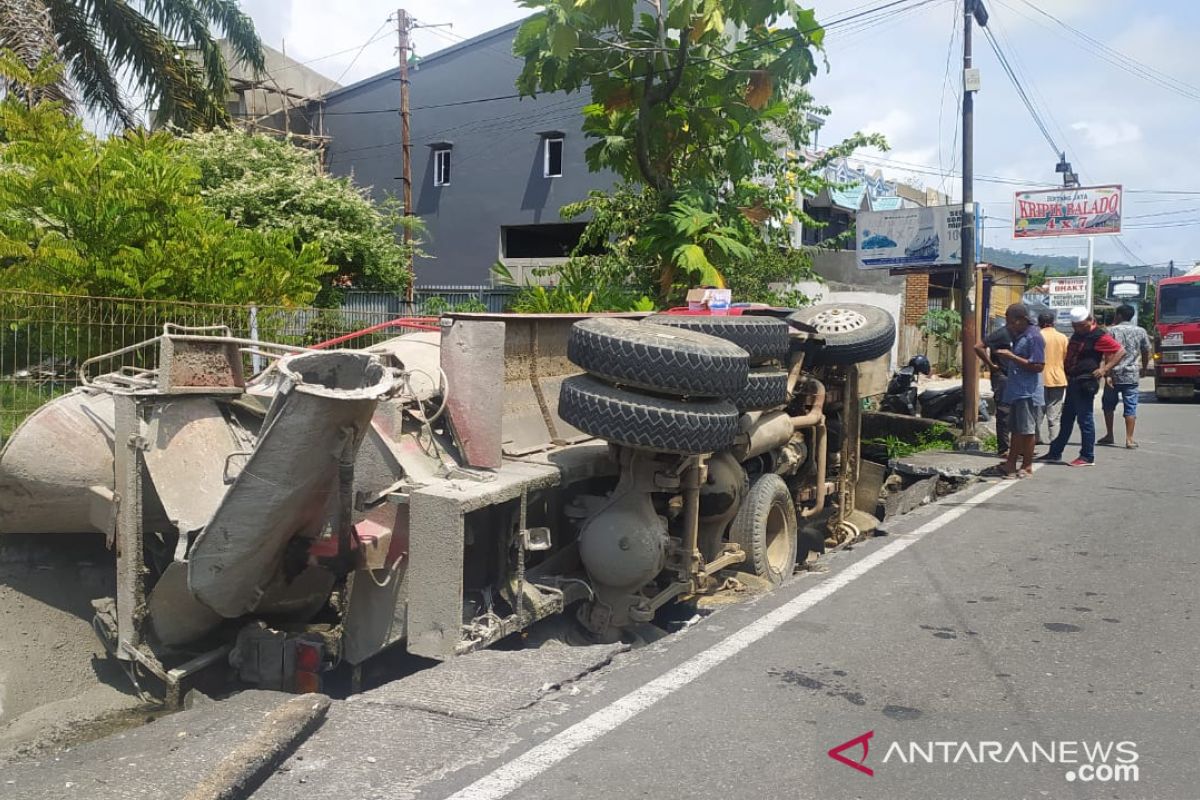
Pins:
x: 850, y: 199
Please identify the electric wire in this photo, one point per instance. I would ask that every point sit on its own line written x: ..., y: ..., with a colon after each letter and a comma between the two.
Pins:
x: 1012, y: 76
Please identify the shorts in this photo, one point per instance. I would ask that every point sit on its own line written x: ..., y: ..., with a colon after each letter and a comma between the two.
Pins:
x: 1022, y: 417
x: 1128, y: 392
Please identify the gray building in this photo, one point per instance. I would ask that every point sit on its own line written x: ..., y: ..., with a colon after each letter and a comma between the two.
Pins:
x: 490, y: 170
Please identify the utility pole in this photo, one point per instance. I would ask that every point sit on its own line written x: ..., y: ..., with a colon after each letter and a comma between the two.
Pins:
x: 972, y: 9
x: 404, y: 24
x: 1171, y: 268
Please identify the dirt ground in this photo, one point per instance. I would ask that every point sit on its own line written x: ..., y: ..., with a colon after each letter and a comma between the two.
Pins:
x: 56, y: 686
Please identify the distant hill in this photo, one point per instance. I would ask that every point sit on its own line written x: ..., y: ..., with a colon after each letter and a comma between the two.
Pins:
x: 1055, y: 265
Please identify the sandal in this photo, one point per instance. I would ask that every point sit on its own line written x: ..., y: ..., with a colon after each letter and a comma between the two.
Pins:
x: 1107, y: 441
x: 998, y: 471
x: 1131, y: 445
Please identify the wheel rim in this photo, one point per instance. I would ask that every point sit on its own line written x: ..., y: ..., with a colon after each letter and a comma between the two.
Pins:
x: 778, y: 546
x: 839, y: 320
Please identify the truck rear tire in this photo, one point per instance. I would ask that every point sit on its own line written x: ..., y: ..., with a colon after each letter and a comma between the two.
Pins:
x: 766, y: 387
x: 853, y: 332
x: 660, y: 424
x: 764, y: 338
x: 657, y: 358
x: 766, y: 529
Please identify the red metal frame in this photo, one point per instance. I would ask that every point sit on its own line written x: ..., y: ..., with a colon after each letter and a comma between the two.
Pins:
x: 413, y: 323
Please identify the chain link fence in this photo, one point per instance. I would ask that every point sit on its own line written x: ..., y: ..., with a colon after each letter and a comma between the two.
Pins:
x: 45, y: 337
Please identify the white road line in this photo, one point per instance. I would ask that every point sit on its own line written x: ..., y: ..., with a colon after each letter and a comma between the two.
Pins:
x: 524, y: 768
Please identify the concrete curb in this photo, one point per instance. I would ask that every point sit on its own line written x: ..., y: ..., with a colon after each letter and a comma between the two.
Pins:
x: 249, y: 764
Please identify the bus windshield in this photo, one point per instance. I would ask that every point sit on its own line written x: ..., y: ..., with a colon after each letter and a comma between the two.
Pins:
x: 1179, y: 302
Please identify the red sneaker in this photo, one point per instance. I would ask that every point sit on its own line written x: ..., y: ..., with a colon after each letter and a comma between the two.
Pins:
x: 1080, y: 462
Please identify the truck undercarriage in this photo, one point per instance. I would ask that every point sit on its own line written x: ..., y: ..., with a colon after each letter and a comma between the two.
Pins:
x: 444, y: 489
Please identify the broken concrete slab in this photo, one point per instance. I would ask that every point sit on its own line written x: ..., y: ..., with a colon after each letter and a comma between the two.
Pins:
x: 944, y: 463
x: 215, y: 750
x: 898, y: 501
x: 367, y: 751
x: 490, y: 684
x: 386, y: 743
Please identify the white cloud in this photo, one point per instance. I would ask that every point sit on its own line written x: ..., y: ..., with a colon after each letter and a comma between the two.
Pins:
x: 1101, y: 135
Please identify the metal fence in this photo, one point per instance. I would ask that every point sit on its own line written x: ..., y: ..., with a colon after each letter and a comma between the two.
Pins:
x: 45, y: 337
x: 432, y: 300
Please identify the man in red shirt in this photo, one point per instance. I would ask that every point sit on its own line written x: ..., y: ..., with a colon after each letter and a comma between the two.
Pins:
x: 1091, y: 354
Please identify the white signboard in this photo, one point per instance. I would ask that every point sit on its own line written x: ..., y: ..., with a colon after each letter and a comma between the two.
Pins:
x: 909, y: 237
x: 1126, y: 287
x: 1065, y: 294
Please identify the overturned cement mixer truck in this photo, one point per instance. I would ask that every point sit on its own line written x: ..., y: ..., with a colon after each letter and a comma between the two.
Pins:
x: 445, y: 488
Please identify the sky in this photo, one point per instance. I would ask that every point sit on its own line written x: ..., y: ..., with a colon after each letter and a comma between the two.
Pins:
x: 901, y: 76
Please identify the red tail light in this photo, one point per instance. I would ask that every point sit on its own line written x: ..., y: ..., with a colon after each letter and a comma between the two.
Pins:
x: 308, y: 657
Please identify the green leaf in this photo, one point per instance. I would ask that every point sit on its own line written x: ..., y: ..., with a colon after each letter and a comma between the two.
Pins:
x: 563, y: 42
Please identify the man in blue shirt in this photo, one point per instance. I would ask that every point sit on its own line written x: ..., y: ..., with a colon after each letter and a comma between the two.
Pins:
x: 1023, y: 392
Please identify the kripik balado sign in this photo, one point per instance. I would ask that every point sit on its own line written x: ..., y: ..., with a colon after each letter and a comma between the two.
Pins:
x: 1077, y: 211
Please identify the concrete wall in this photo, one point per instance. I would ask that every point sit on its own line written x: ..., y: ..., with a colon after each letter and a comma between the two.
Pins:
x: 839, y: 269
x: 497, y: 157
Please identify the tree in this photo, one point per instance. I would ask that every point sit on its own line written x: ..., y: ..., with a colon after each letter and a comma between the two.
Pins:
x: 165, y: 47
x: 125, y: 217
x: 701, y: 103
x: 267, y: 184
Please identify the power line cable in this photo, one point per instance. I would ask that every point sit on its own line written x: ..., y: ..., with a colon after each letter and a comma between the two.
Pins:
x: 878, y: 9
x: 946, y: 85
x: 997, y: 23
x: 1012, y: 76
x: 357, y: 55
x: 1117, y: 58
x: 285, y: 68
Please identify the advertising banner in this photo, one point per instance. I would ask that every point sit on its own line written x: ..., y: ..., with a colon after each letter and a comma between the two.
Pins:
x: 1066, y: 293
x: 1075, y: 211
x: 1126, y: 287
x: 909, y: 237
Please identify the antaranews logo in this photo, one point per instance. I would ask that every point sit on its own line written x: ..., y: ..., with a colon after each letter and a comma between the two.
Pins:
x: 1089, y: 762
x: 864, y: 741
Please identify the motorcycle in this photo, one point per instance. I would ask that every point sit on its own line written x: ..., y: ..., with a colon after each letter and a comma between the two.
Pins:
x: 944, y: 405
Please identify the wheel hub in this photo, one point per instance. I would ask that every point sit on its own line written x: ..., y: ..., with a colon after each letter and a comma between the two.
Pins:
x: 838, y: 320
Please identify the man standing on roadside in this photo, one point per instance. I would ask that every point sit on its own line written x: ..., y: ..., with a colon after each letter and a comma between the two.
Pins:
x: 1091, y: 355
x: 1123, y: 381
x: 1024, y: 362
x: 1054, y: 378
x: 986, y: 349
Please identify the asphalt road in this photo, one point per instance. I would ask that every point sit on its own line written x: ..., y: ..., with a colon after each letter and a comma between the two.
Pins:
x: 1021, y: 624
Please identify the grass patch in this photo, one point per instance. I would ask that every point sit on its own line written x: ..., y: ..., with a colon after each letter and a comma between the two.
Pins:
x: 936, y: 437
x: 19, y: 399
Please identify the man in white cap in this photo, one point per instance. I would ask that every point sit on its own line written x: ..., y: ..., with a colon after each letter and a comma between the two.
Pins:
x: 1091, y: 355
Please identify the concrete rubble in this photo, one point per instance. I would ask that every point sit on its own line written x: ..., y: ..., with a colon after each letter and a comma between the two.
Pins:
x: 215, y: 750
x: 946, y: 464
x: 276, y: 745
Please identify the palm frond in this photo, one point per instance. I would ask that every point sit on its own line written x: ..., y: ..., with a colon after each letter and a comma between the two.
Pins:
x: 183, y: 21
x: 27, y: 31
x: 239, y: 31
x: 87, y: 63
x: 158, y: 66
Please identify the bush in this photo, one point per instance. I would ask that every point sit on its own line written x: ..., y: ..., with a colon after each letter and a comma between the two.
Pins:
x: 124, y: 217
x: 267, y: 184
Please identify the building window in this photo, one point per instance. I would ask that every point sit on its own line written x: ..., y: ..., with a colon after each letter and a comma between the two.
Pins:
x: 545, y: 241
x: 553, y: 157
x: 441, y: 167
